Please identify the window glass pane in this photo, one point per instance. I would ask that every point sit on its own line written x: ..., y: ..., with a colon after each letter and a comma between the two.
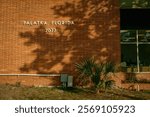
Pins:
x: 144, y: 36
x: 128, y: 36
x: 144, y: 57
x: 129, y: 57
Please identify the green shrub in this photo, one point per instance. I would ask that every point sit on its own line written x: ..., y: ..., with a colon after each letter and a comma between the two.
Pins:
x: 99, y: 73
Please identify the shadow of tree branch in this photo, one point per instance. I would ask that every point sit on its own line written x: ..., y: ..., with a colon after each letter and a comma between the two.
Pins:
x: 96, y: 25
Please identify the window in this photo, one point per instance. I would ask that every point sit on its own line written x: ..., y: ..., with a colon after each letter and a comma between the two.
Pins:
x: 135, y: 35
x: 135, y: 50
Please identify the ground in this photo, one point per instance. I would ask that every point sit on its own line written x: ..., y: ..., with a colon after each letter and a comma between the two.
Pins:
x: 17, y: 92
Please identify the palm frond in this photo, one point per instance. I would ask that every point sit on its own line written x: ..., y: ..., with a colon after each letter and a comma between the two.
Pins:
x: 88, y: 68
x: 109, y: 67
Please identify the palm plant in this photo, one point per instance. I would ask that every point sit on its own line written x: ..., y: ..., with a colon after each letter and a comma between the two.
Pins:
x: 89, y: 69
x: 108, y: 68
x: 99, y: 73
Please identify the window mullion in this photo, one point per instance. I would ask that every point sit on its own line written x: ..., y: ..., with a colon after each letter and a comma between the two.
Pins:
x: 137, y: 43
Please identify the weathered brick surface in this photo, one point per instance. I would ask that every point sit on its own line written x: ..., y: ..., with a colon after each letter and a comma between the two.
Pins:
x: 41, y: 52
x: 120, y: 77
x: 135, y: 86
x: 30, y: 80
x: 27, y: 49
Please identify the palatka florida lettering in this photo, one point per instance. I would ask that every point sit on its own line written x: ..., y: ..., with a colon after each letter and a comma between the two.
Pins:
x: 57, y: 22
x: 35, y: 109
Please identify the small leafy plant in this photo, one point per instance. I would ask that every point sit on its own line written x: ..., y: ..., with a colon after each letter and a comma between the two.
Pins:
x: 99, y: 73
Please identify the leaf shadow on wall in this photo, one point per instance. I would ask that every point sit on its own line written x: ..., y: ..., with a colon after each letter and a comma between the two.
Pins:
x: 96, y: 25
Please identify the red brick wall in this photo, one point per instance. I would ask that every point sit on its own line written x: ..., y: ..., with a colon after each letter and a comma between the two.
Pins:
x: 30, y: 80
x: 28, y: 49
x: 120, y: 77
